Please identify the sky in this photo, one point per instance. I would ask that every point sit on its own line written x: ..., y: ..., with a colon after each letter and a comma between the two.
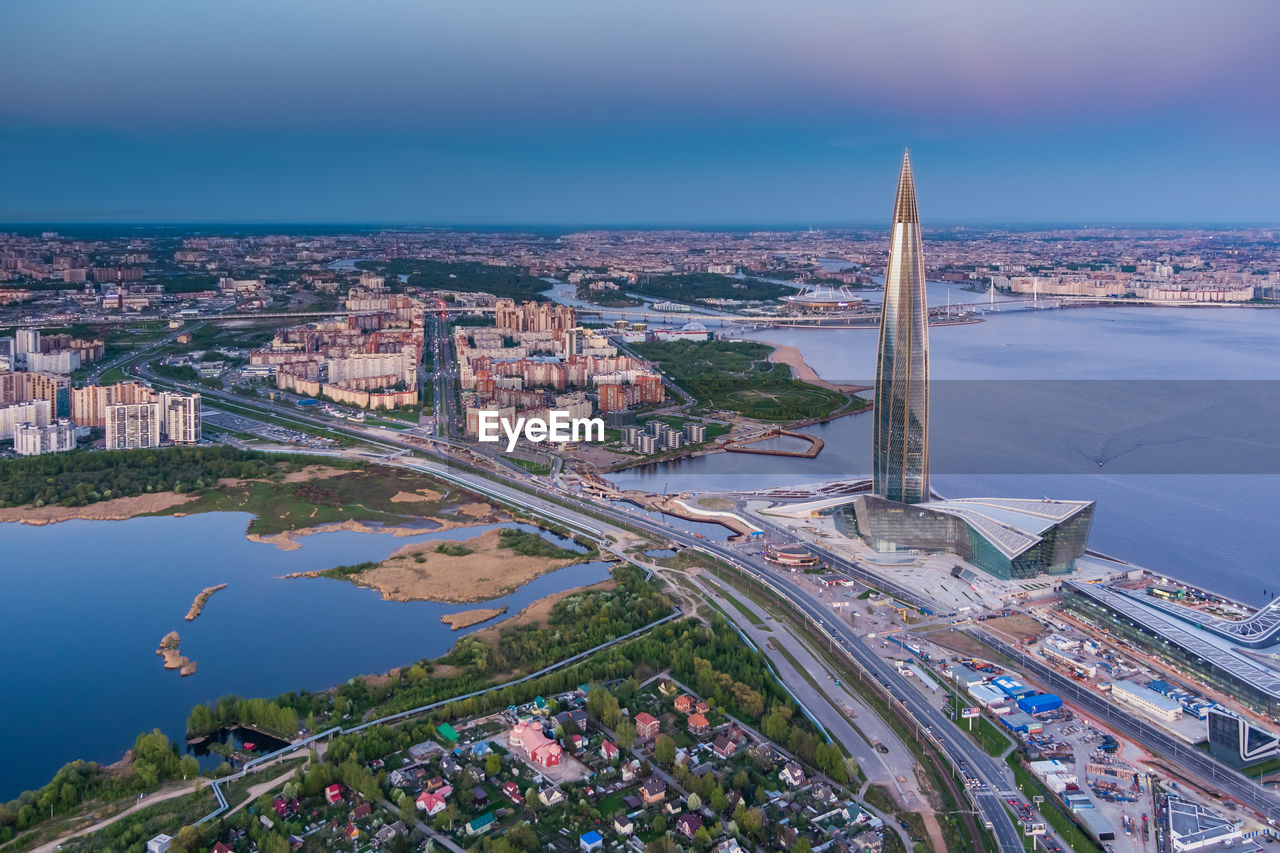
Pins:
x: 621, y: 112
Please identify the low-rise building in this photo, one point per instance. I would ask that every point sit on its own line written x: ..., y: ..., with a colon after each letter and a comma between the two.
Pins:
x: 1147, y: 700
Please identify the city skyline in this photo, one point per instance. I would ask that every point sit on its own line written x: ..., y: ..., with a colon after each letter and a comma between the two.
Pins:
x: 711, y: 115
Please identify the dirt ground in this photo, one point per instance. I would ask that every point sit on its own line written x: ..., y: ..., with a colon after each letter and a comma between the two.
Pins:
x: 418, y: 572
x: 1017, y: 628
x: 116, y: 509
x: 958, y: 642
x: 414, y: 497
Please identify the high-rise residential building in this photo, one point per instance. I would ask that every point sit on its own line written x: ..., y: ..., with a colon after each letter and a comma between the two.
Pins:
x: 134, y: 425
x: 37, y: 412
x: 27, y: 340
x: 901, y: 441
x: 182, y: 418
x: 56, y: 437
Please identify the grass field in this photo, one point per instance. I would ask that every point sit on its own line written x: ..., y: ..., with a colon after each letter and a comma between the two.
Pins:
x: 737, y: 376
x: 360, y: 495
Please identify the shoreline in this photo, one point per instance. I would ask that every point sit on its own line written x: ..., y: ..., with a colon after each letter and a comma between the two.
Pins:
x: 801, y: 369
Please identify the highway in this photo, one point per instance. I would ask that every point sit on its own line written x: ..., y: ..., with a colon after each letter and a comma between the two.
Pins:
x: 1178, y: 752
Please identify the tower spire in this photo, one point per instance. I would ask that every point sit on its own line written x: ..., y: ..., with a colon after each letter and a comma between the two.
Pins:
x: 904, y: 205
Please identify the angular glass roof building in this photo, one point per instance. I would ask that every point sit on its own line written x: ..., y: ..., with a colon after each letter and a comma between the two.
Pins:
x: 901, y: 441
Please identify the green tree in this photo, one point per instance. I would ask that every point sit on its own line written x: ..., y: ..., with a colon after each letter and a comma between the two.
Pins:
x: 625, y: 734
x: 664, y: 750
x: 492, y: 764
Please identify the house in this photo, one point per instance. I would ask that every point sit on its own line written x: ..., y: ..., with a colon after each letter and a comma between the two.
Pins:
x: 159, y: 844
x: 701, y: 706
x: 362, y: 810
x: 511, y: 791
x: 666, y: 688
x: 479, y: 796
x: 449, y: 765
x: 221, y: 848
x: 729, y: 845
x: 623, y: 825
x: 384, y: 836
x: 447, y: 732
x: 423, y: 751
x: 352, y: 832
x: 435, y: 783
x: 646, y: 726
x: 576, y: 743
x: 551, y: 796
x: 401, y: 778
x: 608, y: 750
x: 698, y: 724
x: 688, y: 823
x: 481, y: 825
x: 653, y: 790
x: 481, y: 748
x: 431, y: 803
x: 333, y: 794
x: 630, y: 770
x: 590, y: 841
x: 280, y: 806
x: 684, y: 703
x: 527, y: 740
x: 792, y: 774
x: 724, y: 747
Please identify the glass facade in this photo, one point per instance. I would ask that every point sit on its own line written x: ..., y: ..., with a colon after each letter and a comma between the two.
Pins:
x: 901, y: 441
x: 894, y: 526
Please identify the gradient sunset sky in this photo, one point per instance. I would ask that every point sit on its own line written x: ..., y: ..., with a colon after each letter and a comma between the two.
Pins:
x: 700, y: 112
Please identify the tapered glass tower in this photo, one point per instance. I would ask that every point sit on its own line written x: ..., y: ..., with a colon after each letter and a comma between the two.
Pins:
x: 901, y: 463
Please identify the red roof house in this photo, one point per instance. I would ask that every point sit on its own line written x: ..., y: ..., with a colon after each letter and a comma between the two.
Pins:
x: 698, y: 724
x: 646, y: 726
x: 333, y: 794
x: 528, y: 740
x: 431, y: 803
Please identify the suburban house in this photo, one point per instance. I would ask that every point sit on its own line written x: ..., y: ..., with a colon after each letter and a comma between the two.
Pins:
x: 792, y: 774
x: 684, y: 703
x: 481, y: 825
x: 623, y: 825
x: 590, y: 841
x: 698, y: 724
x: 653, y: 790
x: 333, y: 794
x: 608, y: 750
x: 724, y: 747
x: 630, y: 770
x: 159, y: 844
x: 447, y: 732
x: 528, y: 741
x: 688, y: 823
x: 646, y: 726
x: 551, y: 796
x: 511, y: 791
x: 431, y: 803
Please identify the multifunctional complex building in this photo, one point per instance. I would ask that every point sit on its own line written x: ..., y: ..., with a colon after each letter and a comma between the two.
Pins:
x: 1007, y: 537
x: 1011, y: 539
x: 901, y: 459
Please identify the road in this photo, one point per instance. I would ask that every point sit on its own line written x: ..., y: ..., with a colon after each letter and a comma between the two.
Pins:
x: 168, y: 792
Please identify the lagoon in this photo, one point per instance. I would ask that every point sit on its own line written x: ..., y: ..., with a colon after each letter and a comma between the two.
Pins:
x: 86, y: 602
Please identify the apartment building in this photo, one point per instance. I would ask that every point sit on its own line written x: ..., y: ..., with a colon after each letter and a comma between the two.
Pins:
x: 133, y: 425
x: 55, y: 437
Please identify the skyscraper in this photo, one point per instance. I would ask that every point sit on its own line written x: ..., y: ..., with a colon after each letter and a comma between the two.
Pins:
x: 901, y: 451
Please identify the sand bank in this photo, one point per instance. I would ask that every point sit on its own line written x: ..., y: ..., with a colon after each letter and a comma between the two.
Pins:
x: 790, y: 356
x: 116, y: 509
x: 418, y: 572
x: 467, y: 618
x: 197, y: 606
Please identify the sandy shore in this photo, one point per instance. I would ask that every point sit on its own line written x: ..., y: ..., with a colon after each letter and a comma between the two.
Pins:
x: 790, y: 356
x: 418, y: 572
x: 467, y: 618
x: 116, y: 509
